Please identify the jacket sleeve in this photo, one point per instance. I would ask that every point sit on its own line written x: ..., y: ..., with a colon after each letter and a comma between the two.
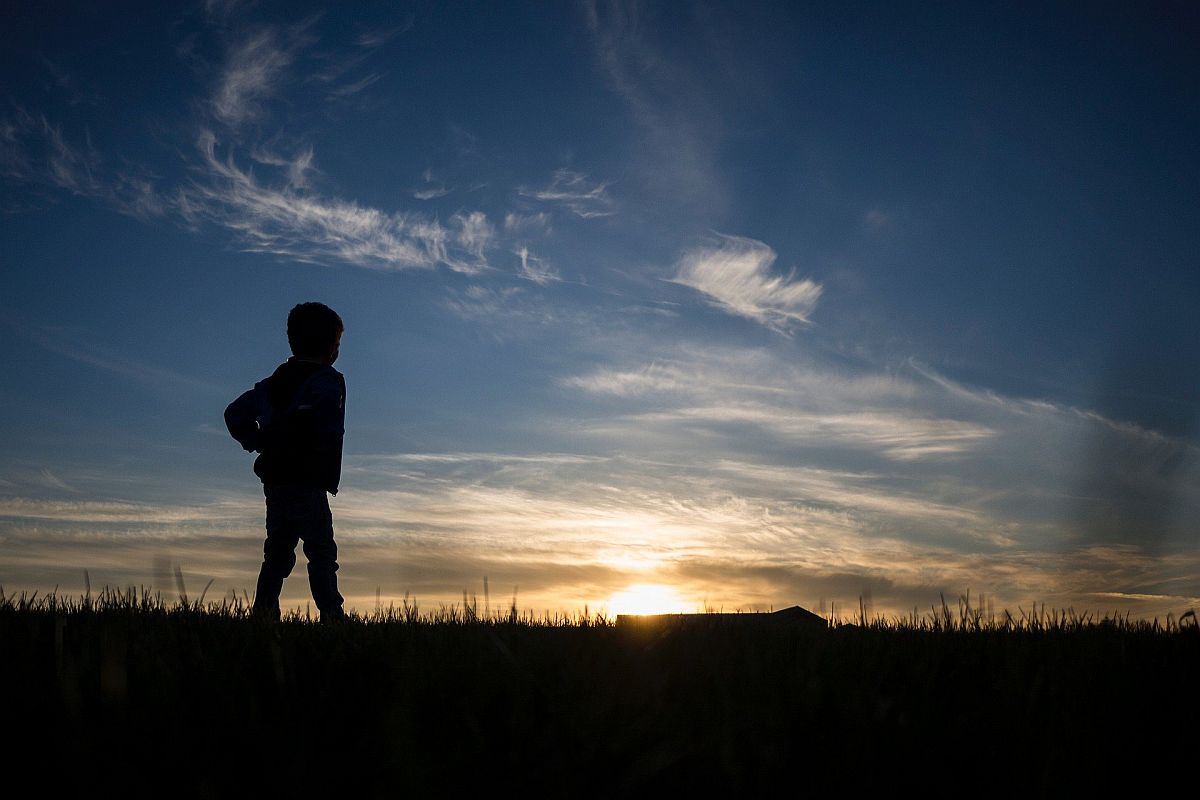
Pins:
x: 241, y: 417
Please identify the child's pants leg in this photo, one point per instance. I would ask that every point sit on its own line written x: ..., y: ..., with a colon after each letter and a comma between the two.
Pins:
x: 279, y: 552
x: 321, y: 551
x: 295, y: 513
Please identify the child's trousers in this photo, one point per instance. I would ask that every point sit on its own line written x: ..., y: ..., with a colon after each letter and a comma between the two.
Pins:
x: 294, y: 514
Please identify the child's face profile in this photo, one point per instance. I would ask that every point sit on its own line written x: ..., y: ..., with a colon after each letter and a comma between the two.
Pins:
x: 333, y: 351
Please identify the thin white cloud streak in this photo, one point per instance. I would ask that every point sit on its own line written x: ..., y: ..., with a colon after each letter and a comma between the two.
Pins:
x: 803, y: 408
x: 848, y: 492
x: 253, y: 70
x: 633, y: 510
x: 78, y: 348
x: 904, y: 437
x: 287, y: 219
x: 1026, y: 406
x: 511, y: 312
x: 527, y: 224
x: 1043, y: 472
x: 68, y: 168
x: 118, y: 512
x: 34, y: 150
x: 535, y: 269
x: 573, y: 529
x: 482, y: 457
x: 729, y: 374
x: 692, y: 376
x: 339, y: 66
x: 68, y: 84
x: 299, y: 168
x: 48, y: 480
x: 287, y: 222
x: 635, y: 515
x: 652, y: 378
x: 292, y: 222
x: 357, y: 86
x: 369, y: 40
x: 432, y: 189
x: 474, y: 234
x: 736, y: 274
x: 676, y: 107
x: 575, y: 192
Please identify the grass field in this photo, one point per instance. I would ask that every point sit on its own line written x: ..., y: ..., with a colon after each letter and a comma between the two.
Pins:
x: 126, y: 693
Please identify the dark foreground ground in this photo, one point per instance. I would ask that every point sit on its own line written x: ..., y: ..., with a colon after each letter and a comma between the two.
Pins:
x: 128, y: 696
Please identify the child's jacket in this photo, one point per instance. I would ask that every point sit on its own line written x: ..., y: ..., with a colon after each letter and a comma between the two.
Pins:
x: 295, y: 420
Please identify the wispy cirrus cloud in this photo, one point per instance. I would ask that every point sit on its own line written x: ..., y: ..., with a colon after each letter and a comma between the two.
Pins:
x: 430, y: 188
x: 518, y: 224
x: 810, y: 407
x: 66, y: 81
x: 573, y: 528
x: 36, y: 151
x: 32, y: 149
x: 430, y: 192
x: 280, y: 212
x: 114, y: 512
x: 283, y: 217
x: 85, y: 350
x: 576, y: 192
x: 675, y: 102
x: 900, y: 436
x: 512, y: 312
x: 285, y: 221
x: 298, y: 169
x: 535, y: 269
x: 289, y: 218
x: 372, y: 39
x: 254, y: 67
x: 354, y: 87
x: 1049, y: 475
x: 47, y: 479
x: 735, y: 273
x: 339, y: 71
x: 648, y: 379
x: 474, y: 234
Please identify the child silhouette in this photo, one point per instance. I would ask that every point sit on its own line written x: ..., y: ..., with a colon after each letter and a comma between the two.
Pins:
x: 295, y: 420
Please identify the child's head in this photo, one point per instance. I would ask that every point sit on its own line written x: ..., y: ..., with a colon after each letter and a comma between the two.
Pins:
x: 314, y: 331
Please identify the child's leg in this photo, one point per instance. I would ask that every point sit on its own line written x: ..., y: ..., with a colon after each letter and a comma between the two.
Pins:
x: 321, y: 551
x: 279, y: 551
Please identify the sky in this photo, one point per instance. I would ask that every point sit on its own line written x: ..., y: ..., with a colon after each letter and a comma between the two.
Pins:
x: 648, y: 306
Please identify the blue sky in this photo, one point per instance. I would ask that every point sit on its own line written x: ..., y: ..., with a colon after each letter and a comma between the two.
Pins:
x: 763, y: 303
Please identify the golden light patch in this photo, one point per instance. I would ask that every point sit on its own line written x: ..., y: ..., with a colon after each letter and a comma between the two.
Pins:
x: 646, y: 598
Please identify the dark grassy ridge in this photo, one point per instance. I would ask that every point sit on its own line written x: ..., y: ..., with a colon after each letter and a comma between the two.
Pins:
x: 128, y: 694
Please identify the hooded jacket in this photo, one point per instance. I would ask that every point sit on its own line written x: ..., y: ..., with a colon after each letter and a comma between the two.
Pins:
x: 295, y: 420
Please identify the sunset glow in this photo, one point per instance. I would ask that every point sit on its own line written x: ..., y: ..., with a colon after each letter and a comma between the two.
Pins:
x: 752, y: 304
x: 646, y: 598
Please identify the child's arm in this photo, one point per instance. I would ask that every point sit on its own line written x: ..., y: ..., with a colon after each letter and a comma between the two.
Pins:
x: 241, y: 417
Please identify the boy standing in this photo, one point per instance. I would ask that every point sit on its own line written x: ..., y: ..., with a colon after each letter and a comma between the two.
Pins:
x: 295, y: 420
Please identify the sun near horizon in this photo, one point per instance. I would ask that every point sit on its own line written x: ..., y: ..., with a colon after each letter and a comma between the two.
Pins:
x: 646, y: 598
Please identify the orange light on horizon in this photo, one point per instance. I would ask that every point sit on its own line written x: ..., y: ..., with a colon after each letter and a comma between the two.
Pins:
x: 646, y: 598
